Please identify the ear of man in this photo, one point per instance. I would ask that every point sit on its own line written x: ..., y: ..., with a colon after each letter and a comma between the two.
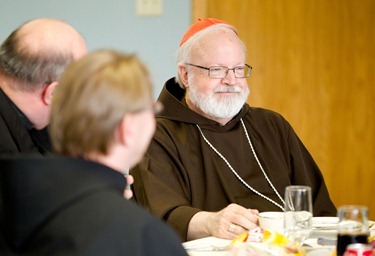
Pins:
x: 48, y: 92
x: 183, y: 75
x: 127, y: 130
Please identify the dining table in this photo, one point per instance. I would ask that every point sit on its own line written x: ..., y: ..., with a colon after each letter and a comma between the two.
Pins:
x: 321, y: 242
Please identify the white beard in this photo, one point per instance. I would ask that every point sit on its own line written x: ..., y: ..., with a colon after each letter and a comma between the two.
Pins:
x: 219, y: 106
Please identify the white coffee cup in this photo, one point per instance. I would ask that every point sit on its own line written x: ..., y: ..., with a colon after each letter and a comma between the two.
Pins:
x: 273, y: 221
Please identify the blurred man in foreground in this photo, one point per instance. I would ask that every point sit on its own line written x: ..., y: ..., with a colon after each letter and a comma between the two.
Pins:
x: 102, y: 121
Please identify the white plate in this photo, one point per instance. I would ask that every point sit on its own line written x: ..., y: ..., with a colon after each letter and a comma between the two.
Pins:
x: 326, y: 223
x: 206, y: 244
x: 324, y: 227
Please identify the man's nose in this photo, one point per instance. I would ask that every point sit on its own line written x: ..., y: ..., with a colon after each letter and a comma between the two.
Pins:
x: 230, y: 78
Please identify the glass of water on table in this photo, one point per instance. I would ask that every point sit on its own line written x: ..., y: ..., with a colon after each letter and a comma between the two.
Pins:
x: 298, y: 213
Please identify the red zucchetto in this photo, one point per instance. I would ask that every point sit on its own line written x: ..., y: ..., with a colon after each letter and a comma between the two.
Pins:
x: 200, y: 25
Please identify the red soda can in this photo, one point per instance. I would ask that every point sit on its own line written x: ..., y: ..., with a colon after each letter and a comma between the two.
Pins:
x: 358, y: 250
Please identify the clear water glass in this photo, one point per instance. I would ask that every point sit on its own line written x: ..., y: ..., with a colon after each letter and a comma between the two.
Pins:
x: 298, y: 213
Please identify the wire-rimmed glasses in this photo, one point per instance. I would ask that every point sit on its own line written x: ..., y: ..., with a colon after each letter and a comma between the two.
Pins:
x: 220, y: 72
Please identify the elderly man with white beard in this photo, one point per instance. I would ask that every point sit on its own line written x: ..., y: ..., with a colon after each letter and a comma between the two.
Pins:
x: 215, y: 162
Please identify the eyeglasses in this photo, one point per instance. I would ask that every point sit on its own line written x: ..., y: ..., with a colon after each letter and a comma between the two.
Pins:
x: 221, y: 72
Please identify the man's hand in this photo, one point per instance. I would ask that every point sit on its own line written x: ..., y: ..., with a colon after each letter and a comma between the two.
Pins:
x: 227, y: 223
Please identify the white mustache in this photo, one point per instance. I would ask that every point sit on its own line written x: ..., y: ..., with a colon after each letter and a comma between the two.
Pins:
x: 228, y: 89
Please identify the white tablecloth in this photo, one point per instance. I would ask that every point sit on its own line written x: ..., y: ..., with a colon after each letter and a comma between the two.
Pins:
x: 209, y: 246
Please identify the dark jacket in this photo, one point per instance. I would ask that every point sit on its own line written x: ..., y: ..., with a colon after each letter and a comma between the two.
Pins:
x: 62, y: 206
x: 15, y: 138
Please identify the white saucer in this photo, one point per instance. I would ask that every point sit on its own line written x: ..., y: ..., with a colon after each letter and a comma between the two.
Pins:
x: 324, y: 227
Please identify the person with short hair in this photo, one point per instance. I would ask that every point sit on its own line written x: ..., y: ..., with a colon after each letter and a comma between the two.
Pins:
x: 32, y: 60
x: 215, y: 161
x: 72, y: 203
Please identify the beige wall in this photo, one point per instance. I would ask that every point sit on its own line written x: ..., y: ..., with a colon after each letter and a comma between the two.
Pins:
x: 314, y: 62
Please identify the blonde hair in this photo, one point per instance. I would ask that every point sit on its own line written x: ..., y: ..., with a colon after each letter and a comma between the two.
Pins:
x: 92, y: 97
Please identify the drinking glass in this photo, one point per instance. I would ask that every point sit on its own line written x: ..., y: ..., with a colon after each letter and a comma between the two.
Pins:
x: 352, y: 227
x: 298, y: 213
